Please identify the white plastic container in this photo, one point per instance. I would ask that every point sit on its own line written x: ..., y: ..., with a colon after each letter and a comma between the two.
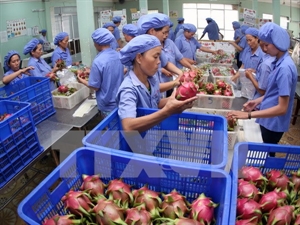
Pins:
x: 215, y: 101
x: 68, y: 102
x: 232, y: 135
x: 223, y: 70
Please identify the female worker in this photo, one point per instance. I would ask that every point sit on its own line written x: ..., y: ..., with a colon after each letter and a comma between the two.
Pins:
x: 111, y: 27
x: 130, y: 31
x: 171, y: 32
x: 187, y: 44
x: 141, y: 87
x: 41, y: 68
x: 277, y: 103
x: 237, y: 37
x: 106, y: 72
x: 62, y: 51
x: 12, y: 67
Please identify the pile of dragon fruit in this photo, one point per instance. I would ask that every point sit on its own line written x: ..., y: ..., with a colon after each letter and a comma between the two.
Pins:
x: 272, y: 199
x: 118, y: 203
x: 5, y: 116
x: 192, y: 83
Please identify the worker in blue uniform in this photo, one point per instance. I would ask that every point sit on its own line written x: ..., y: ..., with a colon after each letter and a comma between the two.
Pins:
x: 111, y: 27
x: 212, y: 30
x: 117, y: 21
x: 171, y: 32
x: 130, y: 31
x: 180, y: 21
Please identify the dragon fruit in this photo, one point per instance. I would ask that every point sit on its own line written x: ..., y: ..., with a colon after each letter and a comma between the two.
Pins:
x: 295, y: 183
x: 63, y: 220
x: 210, y: 88
x: 218, y: 92
x: 252, y: 221
x: 281, y: 216
x: 107, y: 212
x: 253, y: 174
x: 78, y: 203
x: 63, y: 89
x: 297, y: 221
x: 202, y: 209
x: 93, y: 185
x: 231, y: 123
x: 138, y: 216
x: 270, y: 201
x: 120, y: 193
x: 149, y: 198
x: 202, y: 92
x: 248, y: 208
x: 277, y: 179
x: 215, y: 70
x: 174, y: 205
x: 247, y: 190
x: 221, y: 84
x: 186, y: 90
x: 181, y: 221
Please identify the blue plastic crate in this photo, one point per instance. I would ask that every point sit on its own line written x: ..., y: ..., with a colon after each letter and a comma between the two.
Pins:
x: 35, y: 90
x: 257, y: 155
x: 137, y: 170
x: 17, y: 138
x: 189, y: 137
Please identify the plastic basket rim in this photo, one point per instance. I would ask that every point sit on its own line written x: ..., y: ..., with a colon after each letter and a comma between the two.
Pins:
x: 218, y: 96
x: 70, y: 96
x: 114, y: 153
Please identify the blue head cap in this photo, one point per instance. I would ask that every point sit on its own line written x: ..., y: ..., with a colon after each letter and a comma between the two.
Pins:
x: 274, y: 34
x: 43, y: 31
x: 131, y: 30
x: 139, y: 44
x: 209, y: 19
x: 171, y: 24
x: 30, y: 45
x: 7, y: 58
x: 109, y: 24
x: 252, y: 31
x: 236, y: 25
x: 180, y: 19
x: 117, y: 19
x: 59, y: 37
x: 189, y: 27
x: 244, y: 28
x: 102, y: 36
x: 154, y: 20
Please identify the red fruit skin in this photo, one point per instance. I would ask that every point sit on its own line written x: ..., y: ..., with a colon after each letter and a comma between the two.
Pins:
x: 253, y: 174
x: 93, y: 185
x: 252, y: 221
x: 247, y: 190
x: 118, y: 190
x: 297, y: 221
x: 186, y: 90
x: 270, y: 201
x: 296, y: 181
x: 277, y: 179
x: 248, y: 208
x: 63, y: 89
x: 210, y: 88
x: 215, y: 70
x: 174, y: 205
x: 227, y: 92
x: 62, y: 220
x: 138, y: 216
x: 218, y: 92
x: 282, y: 215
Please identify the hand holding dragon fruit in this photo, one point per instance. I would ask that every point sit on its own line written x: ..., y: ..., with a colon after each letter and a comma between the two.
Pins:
x: 64, y: 220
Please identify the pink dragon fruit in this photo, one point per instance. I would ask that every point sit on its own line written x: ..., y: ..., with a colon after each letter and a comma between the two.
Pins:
x: 218, y: 74
x: 93, y: 185
x: 210, y: 88
x: 63, y: 220
x: 297, y: 221
x: 295, y: 184
x: 221, y: 84
x: 215, y: 70
x: 247, y: 190
x: 149, y: 198
x: 138, y: 216
x: 227, y: 92
x: 202, y: 92
x: 202, y: 209
x: 174, y: 205
x: 270, y: 201
x: 78, y: 203
x: 218, y: 92
x: 252, y: 221
x: 107, y: 212
x: 281, y: 216
x: 253, y: 174
x: 248, y: 208
x: 186, y: 90
x: 120, y: 192
x: 181, y: 221
x: 277, y: 179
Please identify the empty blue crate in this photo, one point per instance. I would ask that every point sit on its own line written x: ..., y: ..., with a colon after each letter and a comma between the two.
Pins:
x: 257, y: 155
x: 187, y: 137
x: 19, y: 143
x: 136, y: 170
x: 35, y: 90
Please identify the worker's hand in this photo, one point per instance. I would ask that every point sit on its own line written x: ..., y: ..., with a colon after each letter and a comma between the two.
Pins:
x: 238, y: 114
x: 26, y: 70
x: 248, y: 74
x: 81, y: 80
x: 250, y: 105
x: 235, y: 77
x: 166, y: 72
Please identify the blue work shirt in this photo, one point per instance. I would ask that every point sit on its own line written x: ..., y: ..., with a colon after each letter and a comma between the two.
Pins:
x: 17, y: 78
x: 107, y: 75
x: 252, y: 60
x: 171, y: 34
x: 116, y: 33
x: 172, y: 54
x: 243, y: 44
x: 178, y: 27
x: 179, y: 33
x: 282, y: 82
x: 237, y: 34
x: 58, y: 53
x: 41, y: 69
x: 264, y: 68
x: 212, y: 31
x: 133, y: 94
x: 114, y: 44
x: 187, y: 47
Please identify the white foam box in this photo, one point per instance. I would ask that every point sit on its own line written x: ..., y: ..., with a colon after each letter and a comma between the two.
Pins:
x: 68, y: 102
x: 232, y: 135
x: 215, y: 101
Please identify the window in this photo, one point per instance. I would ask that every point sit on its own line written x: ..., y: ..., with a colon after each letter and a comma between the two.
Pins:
x: 197, y: 13
x: 284, y: 21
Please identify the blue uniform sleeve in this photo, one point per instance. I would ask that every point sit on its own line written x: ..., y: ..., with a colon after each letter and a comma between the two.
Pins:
x: 205, y: 30
x: 178, y: 55
x: 198, y: 45
x: 284, y: 80
x: 95, y: 78
x: 163, y: 59
x: 127, y: 103
x: 243, y: 42
x: 117, y: 33
x: 178, y: 44
x: 54, y: 58
x: 265, y: 70
x: 35, y: 72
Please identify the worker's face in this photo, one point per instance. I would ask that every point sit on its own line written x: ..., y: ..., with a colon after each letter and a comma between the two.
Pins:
x: 252, y: 41
x: 111, y: 29
x: 270, y: 49
x: 149, y: 61
x: 14, y: 63
x: 161, y: 34
x: 64, y: 43
x: 127, y: 37
x: 188, y: 35
x: 262, y: 45
x: 44, y: 34
x: 38, y: 51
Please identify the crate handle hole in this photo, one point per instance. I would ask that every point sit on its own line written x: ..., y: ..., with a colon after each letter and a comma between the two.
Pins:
x: 55, y: 185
